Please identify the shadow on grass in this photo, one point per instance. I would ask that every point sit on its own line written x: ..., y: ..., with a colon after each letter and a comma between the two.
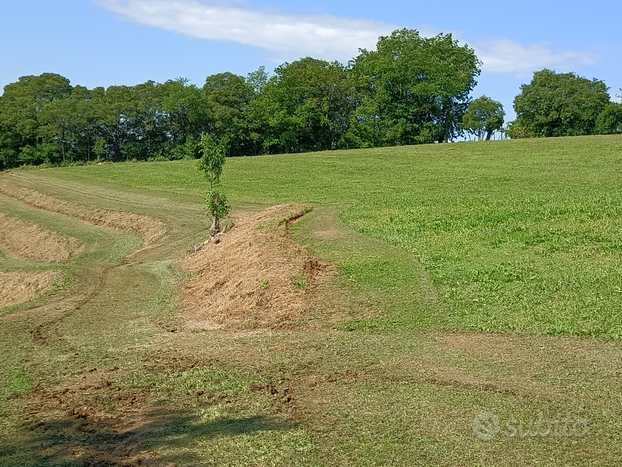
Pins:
x: 83, y: 442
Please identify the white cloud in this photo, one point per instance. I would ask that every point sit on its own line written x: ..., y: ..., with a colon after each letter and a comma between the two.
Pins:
x: 291, y: 36
x: 504, y: 56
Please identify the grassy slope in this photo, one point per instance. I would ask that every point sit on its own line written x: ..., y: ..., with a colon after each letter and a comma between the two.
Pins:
x: 434, y: 228
x: 522, y: 236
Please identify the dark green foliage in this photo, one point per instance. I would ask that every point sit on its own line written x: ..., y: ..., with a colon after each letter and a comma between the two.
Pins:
x: 610, y: 119
x: 483, y: 118
x: 306, y: 106
x: 191, y: 149
x: 100, y: 148
x: 227, y: 98
x: 8, y: 155
x: 185, y: 107
x: 43, y: 119
x: 24, y: 119
x: 413, y: 89
x: 409, y: 90
x: 558, y: 104
x: 43, y: 153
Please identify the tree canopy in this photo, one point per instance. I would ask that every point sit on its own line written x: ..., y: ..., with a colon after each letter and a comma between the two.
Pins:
x: 305, y: 106
x: 413, y: 89
x: 483, y: 118
x: 610, y: 119
x: 410, y: 90
x: 559, y: 104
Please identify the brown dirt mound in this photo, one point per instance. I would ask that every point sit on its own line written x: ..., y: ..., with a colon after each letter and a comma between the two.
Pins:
x: 149, y: 228
x: 255, y: 276
x: 19, y: 287
x: 34, y: 243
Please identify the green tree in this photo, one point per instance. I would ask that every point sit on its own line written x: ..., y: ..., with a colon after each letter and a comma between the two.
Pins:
x: 190, y: 149
x: 483, y: 118
x: 187, y: 111
x: 306, y: 106
x: 258, y: 79
x: 227, y: 97
x: 150, y: 126
x: 517, y: 130
x: 8, y: 155
x: 85, y: 126
x: 115, y: 110
x: 610, y: 119
x: 100, y: 149
x: 60, y: 122
x: 211, y: 164
x: 21, y: 107
x: 413, y: 89
x: 559, y: 104
x: 42, y: 153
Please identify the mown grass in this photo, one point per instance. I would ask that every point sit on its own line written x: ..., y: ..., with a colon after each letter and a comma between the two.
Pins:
x: 115, y: 310
x: 518, y: 236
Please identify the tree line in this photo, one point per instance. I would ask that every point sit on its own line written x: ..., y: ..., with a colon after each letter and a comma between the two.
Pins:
x: 409, y: 90
x: 552, y: 104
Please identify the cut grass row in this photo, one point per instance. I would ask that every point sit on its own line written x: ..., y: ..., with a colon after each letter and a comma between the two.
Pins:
x: 95, y: 309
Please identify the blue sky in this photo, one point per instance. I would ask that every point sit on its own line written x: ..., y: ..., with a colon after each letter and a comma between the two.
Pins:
x: 105, y: 42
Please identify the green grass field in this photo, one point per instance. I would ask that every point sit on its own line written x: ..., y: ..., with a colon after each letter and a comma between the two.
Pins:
x: 474, y: 277
x: 518, y: 236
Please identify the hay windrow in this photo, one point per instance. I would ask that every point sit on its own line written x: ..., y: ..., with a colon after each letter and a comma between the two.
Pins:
x: 33, y: 243
x: 255, y: 276
x: 149, y: 228
x: 19, y: 287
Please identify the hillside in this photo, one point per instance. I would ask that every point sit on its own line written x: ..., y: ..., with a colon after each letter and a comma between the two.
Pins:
x: 427, y: 284
x: 518, y: 235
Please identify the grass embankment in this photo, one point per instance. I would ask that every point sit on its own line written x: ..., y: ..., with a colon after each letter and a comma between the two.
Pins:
x: 435, y: 245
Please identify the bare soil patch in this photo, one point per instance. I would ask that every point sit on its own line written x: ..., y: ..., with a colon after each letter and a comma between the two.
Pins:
x: 255, y: 276
x: 100, y: 424
x: 149, y: 228
x: 19, y: 287
x: 33, y: 243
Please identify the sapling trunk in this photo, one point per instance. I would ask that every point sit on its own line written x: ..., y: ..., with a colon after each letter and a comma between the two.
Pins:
x: 215, y: 226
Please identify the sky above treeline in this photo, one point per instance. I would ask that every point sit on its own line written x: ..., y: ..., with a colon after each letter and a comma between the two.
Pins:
x: 110, y: 42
